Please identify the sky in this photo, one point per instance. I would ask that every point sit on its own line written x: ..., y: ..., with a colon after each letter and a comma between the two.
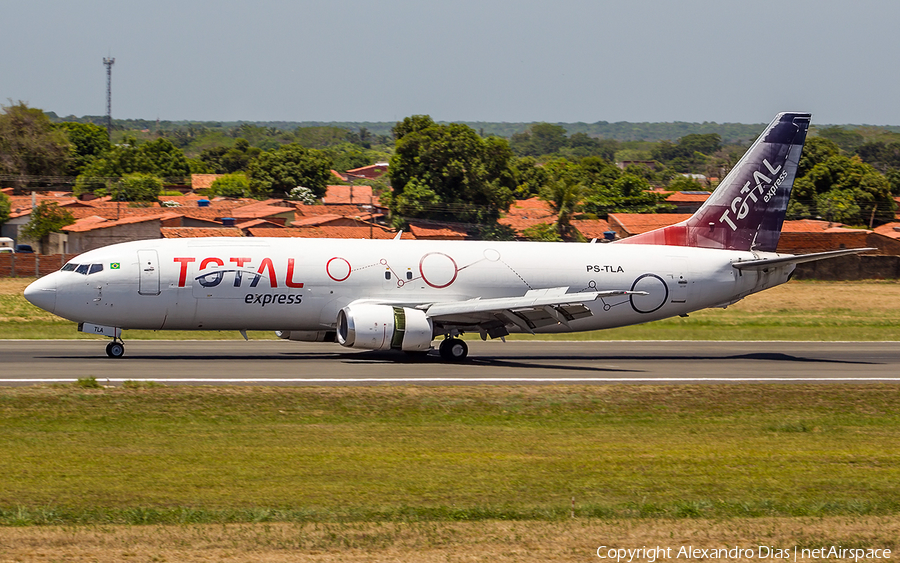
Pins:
x: 465, y: 60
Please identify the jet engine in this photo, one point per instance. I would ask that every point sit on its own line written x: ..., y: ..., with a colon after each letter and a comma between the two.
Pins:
x: 383, y: 327
x: 306, y: 335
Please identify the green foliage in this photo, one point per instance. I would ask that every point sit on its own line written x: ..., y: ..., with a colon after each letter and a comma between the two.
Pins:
x: 844, y: 190
x: 530, y: 178
x: 546, y: 139
x: 5, y: 208
x: 157, y: 158
x: 46, y: 218
x: 283, y: 169
x: 88, y: 142
x: 227, y: 160
x: 690, y: 153
x: 543, y: 232
x: 303, y: 195
x: 138, y: 187
x: 30, y: 145
x: 682, y: 183
x: 448, y: 172
x: 816, y: 151
x: 883, y: 156
x: 231, y: 185
x: 847, y: 140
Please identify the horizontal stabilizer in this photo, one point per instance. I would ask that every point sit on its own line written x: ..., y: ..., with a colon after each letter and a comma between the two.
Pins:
x: 764, y: 263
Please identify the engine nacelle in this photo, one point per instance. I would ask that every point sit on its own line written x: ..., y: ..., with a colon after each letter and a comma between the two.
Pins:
x: 306, y: 335
x: 383, y: 327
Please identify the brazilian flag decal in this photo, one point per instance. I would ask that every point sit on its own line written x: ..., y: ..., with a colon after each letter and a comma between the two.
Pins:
x: 114, y: 266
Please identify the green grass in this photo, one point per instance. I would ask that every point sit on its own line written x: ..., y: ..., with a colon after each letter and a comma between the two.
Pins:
x: 143, y: 455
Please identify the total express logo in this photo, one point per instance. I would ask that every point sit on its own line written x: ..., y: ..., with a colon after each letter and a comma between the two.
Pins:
x: 241, y: 273
x: 754, y: 193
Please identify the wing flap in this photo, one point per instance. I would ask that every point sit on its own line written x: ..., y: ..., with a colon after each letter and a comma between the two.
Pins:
x: 528, y: 304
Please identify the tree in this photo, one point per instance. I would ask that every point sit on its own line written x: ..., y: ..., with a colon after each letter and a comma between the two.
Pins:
x: 88, y: 142
x: 690, y: 153
x: 448, y: 172
x: 30, y: 145
x: 158, y: 158
x: 231, y: 185
x: 228, y: 160
x: 283, y: 169
x: 46, y: 218
x: 139, y: 187
x: 5, y: 208
x: 539, y: 139
x: 843, y: 179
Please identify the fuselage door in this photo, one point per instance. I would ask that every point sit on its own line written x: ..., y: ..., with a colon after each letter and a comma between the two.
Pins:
x: 148, y: 264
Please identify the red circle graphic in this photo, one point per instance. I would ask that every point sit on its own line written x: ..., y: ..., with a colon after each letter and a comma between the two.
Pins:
x: 332, y: 276
x: 425, y: 278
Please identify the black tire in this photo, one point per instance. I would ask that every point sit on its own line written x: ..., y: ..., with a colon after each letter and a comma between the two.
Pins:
x: 115, y: 350
x: 454, y: 349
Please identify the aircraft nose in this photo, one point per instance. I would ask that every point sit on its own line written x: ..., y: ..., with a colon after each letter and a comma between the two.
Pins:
x: 42, y: 293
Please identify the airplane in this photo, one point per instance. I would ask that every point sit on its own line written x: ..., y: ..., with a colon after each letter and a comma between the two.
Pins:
x: 402, y: 294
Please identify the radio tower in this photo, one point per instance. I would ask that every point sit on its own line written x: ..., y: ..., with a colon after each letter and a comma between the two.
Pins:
x: 109, y: 62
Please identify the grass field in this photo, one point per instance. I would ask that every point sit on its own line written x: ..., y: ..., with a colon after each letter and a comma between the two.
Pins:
x: 196, y: 455
x: 794, y: 311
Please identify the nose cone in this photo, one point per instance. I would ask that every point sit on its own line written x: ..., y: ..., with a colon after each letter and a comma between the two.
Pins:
x: 42, y: 293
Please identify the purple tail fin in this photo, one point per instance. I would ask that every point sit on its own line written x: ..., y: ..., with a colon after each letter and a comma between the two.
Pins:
x: 747, y: 210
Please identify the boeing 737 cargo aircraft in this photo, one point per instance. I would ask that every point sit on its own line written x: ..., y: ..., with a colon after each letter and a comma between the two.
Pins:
x: 398, y: 294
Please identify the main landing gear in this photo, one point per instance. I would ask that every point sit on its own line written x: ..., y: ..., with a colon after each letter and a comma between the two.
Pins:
x: 115, y: 349
x: 453, y: 349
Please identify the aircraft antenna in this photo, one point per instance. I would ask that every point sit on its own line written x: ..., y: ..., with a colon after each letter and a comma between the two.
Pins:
x: 108, y: 62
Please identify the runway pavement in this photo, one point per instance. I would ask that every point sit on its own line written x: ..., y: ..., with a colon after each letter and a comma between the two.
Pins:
x: 24, y: 362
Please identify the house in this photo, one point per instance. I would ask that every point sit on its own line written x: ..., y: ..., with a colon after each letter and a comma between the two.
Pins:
x: 190, y: 232
x: 368, y: 172
x: 688, y: 202
x: 591, y: 228
x: 367, y: 231
x: 629, y: 224
x: 437, y: 231
x: 350, y: 195
x: 95, y: 232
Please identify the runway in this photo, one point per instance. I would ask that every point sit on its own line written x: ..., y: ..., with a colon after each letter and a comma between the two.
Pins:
x: 27, y: 362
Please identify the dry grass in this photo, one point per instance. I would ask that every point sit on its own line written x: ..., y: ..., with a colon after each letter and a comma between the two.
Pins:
x: 492, y: 541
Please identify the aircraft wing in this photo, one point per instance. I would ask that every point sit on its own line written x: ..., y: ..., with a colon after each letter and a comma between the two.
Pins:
x: 536, y: 308
x: 764, y: 263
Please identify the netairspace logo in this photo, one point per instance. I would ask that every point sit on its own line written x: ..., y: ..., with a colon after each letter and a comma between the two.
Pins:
x: 767, y: 552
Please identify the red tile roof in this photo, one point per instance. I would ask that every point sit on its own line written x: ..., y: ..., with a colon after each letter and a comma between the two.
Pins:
x: 891, y: 230
x: 637, y: 223
x: 375, y: 232
x: 591, y: 228
x: 190, y: 232
x: 203, y: 181
x: 354, y: 195
x: 94, y: 223
x: 688, y: 197
x: 437, y: 232
x: 532, y: 207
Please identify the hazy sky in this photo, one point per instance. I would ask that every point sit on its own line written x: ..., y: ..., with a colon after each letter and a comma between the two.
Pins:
x: 465, y: 60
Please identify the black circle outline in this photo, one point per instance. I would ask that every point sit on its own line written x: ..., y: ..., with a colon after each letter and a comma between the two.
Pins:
x: 658, y: 307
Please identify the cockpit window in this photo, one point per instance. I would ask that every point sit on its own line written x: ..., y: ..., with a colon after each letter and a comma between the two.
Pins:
x: 82, y: 269
x: 69, y: 267
x: 96, y: 268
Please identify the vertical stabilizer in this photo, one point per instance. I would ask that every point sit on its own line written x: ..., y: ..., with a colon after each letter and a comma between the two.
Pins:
x: 747, y: 209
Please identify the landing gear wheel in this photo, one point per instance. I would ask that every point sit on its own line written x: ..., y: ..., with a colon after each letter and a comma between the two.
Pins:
x: 115, y: 349
x: 454, y: 349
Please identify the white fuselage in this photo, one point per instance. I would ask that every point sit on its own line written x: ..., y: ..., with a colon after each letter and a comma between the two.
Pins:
x: 301, y: 284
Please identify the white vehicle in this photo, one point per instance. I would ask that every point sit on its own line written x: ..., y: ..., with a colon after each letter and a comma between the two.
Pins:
x: 396, y: 294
